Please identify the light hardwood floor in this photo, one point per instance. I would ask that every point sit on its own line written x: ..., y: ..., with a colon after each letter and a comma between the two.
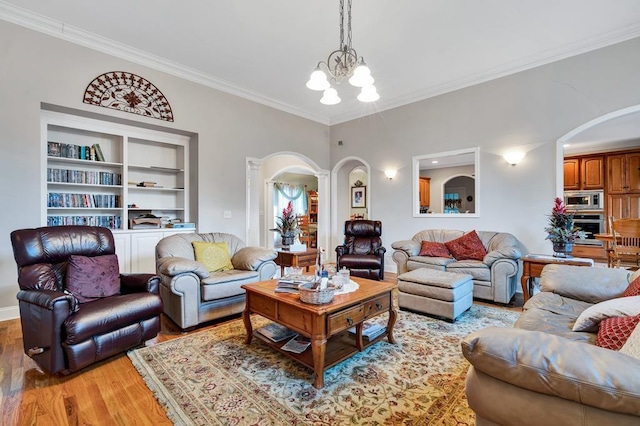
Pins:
x: 107, y: 393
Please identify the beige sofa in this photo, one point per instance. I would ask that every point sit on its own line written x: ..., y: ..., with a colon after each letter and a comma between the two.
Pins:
x: 542, y: 373
x: 495, y: 278
x: 191, y: 294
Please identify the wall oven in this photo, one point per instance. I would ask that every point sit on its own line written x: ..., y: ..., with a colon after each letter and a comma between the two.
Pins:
x: 592, y: 223
x: 584, y: 200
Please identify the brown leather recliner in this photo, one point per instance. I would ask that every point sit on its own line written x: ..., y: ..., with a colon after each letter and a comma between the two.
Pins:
x: 60, y: 334
x: 362, y: 252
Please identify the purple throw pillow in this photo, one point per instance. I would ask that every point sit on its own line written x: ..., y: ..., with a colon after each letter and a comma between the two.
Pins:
x: 91, y: 278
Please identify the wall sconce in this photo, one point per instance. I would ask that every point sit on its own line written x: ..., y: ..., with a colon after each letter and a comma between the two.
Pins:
x: 514, y: 157
x: 390, y: 174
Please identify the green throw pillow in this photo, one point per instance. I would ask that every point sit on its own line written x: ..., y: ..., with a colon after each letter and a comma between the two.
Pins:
x: 215, y: 256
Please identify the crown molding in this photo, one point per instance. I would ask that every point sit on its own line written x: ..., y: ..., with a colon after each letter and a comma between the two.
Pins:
x: 52, y: 27
x: 533, y: 61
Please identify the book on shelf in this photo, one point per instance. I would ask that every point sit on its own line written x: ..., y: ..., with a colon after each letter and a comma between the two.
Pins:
x: 276, y: 332
x: 98, y: 150
x: 297, y: 345
x: 370, y: 330
x: 148, y: 184
x: 181, y: 225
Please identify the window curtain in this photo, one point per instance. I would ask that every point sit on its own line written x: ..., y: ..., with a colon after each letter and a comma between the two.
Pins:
x: 284, y: 193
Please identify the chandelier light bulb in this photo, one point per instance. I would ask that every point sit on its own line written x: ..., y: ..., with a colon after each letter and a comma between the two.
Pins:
x: 318, y: 80
x: 368, y: 94
x: 361, y: 76
x: 330, y: 97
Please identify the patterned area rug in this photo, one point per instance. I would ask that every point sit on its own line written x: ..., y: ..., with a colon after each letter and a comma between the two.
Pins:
x: 212, y: 377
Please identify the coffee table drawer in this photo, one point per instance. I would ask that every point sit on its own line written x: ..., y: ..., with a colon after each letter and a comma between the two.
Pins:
x: 345, y: 319
x: 376, y: 306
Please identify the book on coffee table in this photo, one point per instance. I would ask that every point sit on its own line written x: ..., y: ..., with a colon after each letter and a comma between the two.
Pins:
x: 369, y: 330
x: 276, y: 332
x: 297, y: 345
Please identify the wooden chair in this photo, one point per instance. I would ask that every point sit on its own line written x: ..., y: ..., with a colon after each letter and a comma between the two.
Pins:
x: 304, y: 230
x: 626, y: 241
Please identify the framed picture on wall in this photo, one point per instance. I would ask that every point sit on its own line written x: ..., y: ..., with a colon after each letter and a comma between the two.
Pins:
x: 358, y: 197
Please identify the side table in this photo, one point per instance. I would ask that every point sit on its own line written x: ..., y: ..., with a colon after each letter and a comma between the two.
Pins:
x: 296, y: 258
x: 532, y: 265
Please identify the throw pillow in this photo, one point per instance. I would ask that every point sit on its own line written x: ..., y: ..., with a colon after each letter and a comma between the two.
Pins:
x: 433, y: 249
x: 632, y: 345
x: 91, y: 278
x: 215, y: 256
x: 469, y: 246
x: 589, y: 319
x: 633, y: 289
x: 614, y: 332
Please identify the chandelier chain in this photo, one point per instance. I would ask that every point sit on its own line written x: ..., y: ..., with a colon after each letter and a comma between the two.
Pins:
x: 349, y: 24
x: 341, y: 23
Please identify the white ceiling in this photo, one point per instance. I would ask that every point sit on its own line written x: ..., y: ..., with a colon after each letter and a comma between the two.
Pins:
x: 264, y: 50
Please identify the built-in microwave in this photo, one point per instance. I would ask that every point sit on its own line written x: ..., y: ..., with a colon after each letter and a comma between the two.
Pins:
x: 584, y: 200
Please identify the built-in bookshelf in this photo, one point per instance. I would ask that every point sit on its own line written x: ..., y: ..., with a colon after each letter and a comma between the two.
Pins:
x: 106, y: 174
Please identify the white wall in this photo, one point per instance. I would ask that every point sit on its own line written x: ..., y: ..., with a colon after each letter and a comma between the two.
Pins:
x: 36, y: 68
x: 531, y: 109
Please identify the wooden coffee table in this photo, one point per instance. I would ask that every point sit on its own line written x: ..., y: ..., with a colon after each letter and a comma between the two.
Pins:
x: 296, y: 258
x: 326, y: 325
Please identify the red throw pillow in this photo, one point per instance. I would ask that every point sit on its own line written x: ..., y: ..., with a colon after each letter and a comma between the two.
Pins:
x: 469, y: 246
x: 91, y: 278
x: 633, y: 289
x: 614, y: 332
x: 434, y: 249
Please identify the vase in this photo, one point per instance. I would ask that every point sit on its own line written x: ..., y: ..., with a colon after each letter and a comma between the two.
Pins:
x: 562, y: 249
x: 287, y: 240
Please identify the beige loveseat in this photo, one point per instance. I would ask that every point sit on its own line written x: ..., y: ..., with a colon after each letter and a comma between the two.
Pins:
x: 495, y: 278
x: 191, y: 294
x: 541, y: 372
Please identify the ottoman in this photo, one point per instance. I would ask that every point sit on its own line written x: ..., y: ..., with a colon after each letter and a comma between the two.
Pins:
x: 433, y: 292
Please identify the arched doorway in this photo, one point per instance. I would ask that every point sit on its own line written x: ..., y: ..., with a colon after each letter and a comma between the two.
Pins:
x: 341, y: 184
x: 260, y: 175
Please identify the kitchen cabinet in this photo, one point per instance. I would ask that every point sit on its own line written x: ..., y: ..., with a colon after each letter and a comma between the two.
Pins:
x: 425, y: 187
x: 622, y: 206
x: 584, y: 173
x: 623, y: 173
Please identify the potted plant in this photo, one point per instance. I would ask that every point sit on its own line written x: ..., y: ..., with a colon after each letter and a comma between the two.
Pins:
x: 561, y: 230
x: 287, y: 226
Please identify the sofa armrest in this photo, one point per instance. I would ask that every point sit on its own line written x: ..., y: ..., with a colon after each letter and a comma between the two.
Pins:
x: 250, y: 258
x: 411, y: 247
x: 47, y: 299
x: 502, y: 253
x: 579, y: 282
x: 556, y: 366
x: 172, y: 266
x: 380, y: 251
x: 139, y: 283
x: 341, y: 250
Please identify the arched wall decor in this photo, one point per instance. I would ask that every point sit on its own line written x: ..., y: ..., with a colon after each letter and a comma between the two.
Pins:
x: 128, y: 92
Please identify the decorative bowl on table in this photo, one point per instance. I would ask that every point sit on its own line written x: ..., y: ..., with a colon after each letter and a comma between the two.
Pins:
x: 311, y: 293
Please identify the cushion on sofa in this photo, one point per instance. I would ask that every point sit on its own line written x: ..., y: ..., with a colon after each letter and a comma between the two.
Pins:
x: 92, y: 278
x: 618, y: 307
x: 468, y: 246
x: 434, y: 249
x: 215, y: 256
x: 477, y: 269
x: 632, y: 345
x: 633, y: 289
x: 597, y: 285
x: 614, y: 332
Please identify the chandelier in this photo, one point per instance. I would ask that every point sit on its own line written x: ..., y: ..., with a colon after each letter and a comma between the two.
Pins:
x: 343, y: 64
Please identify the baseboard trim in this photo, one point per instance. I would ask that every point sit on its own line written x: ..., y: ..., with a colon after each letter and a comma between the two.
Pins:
x: 9, y: 313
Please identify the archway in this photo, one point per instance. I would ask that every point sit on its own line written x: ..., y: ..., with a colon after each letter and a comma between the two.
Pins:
x: 632, y: 112
x: 341, y: 196
x: 260, y: 174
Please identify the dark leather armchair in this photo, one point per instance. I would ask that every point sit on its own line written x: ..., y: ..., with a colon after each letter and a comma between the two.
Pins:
x: 60, y: 334
x: 362, y: 252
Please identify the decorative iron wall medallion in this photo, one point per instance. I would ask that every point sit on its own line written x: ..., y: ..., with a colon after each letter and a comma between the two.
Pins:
x: 128, y: 92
